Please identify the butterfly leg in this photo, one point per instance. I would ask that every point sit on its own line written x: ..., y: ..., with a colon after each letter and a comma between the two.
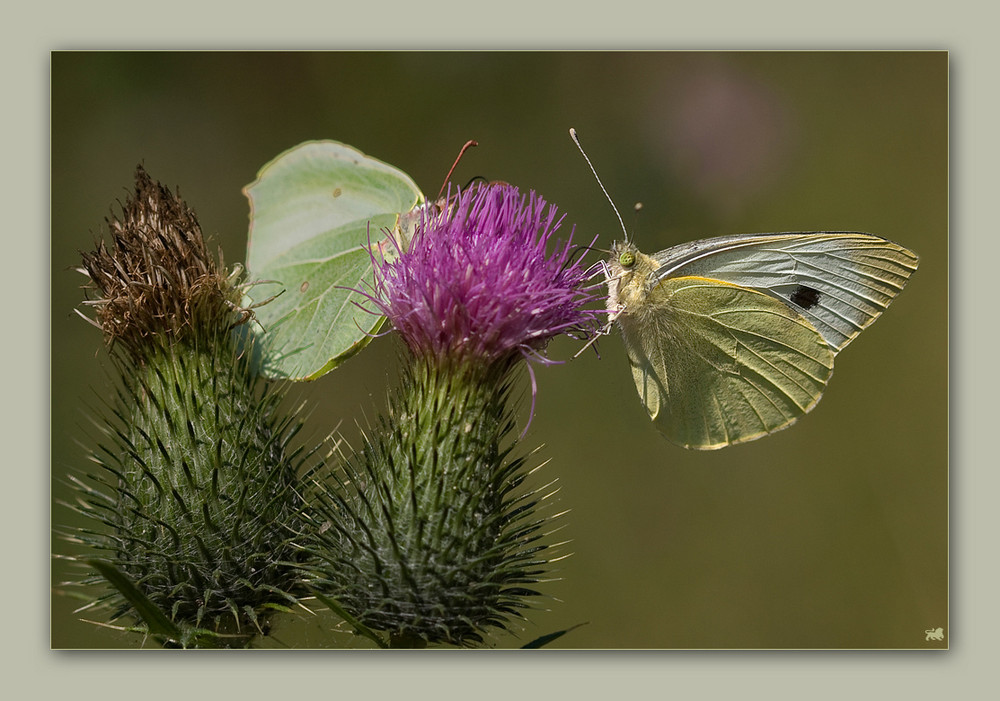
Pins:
x: 598, y: 268
x: 600, y: 332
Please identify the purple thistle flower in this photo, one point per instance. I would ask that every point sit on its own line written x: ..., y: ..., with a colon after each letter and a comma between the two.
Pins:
x: 478, y: 284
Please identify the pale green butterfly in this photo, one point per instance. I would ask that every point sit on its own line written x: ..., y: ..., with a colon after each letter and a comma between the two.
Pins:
x: 318, y: 213
x: 732, y: 338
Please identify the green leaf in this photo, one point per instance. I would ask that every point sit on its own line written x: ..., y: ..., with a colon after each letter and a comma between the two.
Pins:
x: 314, y: 211
x: 543, y: 640
x: 358, y: 626
x: 158, y: 625
x: 157, y: 622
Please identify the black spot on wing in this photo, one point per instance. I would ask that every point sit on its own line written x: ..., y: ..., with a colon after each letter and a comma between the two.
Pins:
x: 805, y: 297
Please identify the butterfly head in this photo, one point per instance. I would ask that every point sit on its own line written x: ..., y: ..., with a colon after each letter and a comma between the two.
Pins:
x: 629, y: 274
x: 622, y: 259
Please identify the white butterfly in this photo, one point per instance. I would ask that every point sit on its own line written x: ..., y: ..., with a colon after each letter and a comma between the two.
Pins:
x: 732, y: 338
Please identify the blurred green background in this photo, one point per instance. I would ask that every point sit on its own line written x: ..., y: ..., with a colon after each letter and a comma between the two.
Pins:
x: 832, y: 534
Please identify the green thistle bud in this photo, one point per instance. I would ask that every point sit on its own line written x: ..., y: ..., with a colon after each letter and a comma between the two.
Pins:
x: 195, y: 491
x: 428, y: 537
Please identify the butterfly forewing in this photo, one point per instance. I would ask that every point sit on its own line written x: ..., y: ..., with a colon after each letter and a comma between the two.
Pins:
x: 840, y: 282
x: 717, y: 364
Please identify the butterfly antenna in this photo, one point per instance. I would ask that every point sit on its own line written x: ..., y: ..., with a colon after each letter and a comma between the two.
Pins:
x: 576, y: 140
x: 468, y: 144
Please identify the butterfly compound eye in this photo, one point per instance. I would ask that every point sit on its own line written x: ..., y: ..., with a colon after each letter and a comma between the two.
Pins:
x: 626, y: 259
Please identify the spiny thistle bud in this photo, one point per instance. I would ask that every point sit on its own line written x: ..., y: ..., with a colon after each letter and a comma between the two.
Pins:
x: 432, y: 536
x: 196, y: 485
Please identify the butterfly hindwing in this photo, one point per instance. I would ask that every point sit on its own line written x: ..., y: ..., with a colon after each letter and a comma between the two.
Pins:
x: 717, y: 363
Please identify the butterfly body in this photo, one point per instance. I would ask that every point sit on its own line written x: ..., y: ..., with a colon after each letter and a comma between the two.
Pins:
x: 732, y: 338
